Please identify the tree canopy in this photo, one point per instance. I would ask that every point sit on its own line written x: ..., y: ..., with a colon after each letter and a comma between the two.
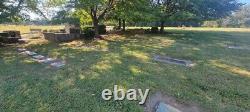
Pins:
x: 96, y: 11
x: 11, y: 10
x: 198, y: 9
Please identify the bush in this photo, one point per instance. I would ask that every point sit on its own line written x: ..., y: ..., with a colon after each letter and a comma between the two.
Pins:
x: 102, y: 29
x: 1, y: 39
x: 147, y: 31
x: 154, y: 30
x: 89, y: 33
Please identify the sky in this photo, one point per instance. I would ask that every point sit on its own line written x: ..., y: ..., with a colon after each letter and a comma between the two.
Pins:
x: 245, y: 1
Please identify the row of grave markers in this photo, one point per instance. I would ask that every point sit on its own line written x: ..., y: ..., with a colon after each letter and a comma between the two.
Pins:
x: 42, y: 59
x: 188, y: 63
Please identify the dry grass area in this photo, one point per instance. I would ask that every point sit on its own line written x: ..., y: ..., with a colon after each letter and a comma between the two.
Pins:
x: 26, y: 28
x: 210, y: 29
x: 201, y: 29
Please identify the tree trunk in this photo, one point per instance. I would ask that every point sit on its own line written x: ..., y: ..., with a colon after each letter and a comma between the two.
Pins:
x: 123, y: 25
x: 95, y: 24
x: 162, y: 26
x: 120, y: 23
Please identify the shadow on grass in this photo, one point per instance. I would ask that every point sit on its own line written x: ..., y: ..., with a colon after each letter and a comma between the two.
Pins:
x: 125, y: 62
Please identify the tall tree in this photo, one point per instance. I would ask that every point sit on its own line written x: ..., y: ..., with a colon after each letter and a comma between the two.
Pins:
x: 132, y: 11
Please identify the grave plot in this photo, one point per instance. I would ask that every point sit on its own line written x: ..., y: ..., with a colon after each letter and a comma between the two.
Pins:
x: 70, y: 33
x: 159, y: 102
x: 10, y: 36
x: 56, y: 63
x: 171, y: 60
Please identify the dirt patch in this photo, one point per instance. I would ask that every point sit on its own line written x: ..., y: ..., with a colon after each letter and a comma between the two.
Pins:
x: 154, y: 100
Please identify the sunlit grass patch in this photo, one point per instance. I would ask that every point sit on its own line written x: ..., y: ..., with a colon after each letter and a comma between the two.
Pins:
x: 135, y: 70
x: 231, y: 68
x: 221, y: 85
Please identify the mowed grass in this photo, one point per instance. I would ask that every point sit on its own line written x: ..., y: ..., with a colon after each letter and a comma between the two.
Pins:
x: 26, y: 28
x: 220, y: 82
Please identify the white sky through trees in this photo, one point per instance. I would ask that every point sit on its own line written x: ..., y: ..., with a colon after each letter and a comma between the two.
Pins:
x: 50, y: 12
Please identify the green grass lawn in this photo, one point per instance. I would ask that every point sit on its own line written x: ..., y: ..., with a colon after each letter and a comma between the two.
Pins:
x: 220, y: 82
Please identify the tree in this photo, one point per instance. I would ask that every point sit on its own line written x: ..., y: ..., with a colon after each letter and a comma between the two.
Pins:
x: 240, y: 18
x: 97, y: 9
x: 202, y: 9
x: 11, y: 10
x: 132, y: 11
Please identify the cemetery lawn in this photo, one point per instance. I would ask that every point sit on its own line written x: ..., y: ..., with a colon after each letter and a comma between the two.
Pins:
x: 220, y: 81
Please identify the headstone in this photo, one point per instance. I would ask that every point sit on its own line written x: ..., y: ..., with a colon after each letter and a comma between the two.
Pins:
x: 163, y: 107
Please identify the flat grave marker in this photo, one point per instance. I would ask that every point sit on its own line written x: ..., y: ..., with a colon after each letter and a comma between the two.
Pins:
x: 163, y: 107
x: 237, y: 47
x: 171, y: 60
x: 56, y: 63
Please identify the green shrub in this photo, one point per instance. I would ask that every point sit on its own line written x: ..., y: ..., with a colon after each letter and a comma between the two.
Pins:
x: 147, y: 31
x: 102, y: 29
x: 4, y: 34
x: 1, y: 39
x: 116, y: 28
x: 154, y: 30
x: 89, y: 33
